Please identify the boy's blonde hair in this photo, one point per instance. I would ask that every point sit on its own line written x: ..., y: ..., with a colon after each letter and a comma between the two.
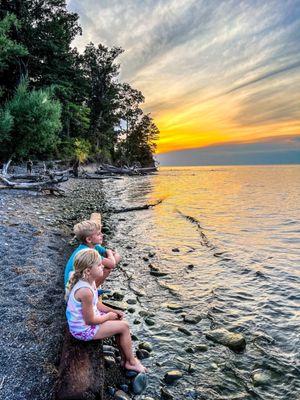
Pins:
x: 86, y: 228
x: 84, y: 259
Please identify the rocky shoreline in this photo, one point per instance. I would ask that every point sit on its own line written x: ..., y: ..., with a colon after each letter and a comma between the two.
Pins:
x: 37, y: 240
x: 36, y: 233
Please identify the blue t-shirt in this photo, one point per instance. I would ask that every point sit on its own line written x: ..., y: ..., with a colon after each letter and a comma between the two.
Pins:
x: 70, y: 264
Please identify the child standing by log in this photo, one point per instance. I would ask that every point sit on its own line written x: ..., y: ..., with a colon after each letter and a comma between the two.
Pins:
x: 89, y: 319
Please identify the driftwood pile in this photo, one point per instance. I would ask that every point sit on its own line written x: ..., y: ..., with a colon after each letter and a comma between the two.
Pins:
x: 48, y: 180
x: 45, y: 181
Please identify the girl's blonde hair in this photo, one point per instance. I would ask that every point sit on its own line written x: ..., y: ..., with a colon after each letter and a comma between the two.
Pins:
x: 86, y: 228
x: 84, y: 259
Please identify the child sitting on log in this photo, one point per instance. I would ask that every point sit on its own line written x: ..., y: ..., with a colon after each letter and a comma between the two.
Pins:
x: 89, y: 319
x: 89, y: 233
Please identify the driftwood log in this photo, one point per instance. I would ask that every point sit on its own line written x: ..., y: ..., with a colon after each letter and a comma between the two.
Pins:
x: 137, y: 208
x: 81, y: 370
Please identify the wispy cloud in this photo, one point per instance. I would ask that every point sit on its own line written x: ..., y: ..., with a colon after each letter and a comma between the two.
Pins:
x: 212, y: 71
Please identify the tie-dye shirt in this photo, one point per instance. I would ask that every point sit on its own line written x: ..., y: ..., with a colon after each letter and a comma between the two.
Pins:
x: 77, y: 326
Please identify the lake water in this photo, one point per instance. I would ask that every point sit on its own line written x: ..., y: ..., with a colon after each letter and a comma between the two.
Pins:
x: 240, y: 229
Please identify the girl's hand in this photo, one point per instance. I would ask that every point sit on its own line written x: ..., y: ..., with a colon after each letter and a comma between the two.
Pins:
x: 120, y: 314
x: 111, y: 316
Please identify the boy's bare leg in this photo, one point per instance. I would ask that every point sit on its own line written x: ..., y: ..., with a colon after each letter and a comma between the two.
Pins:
x: 121, y: 328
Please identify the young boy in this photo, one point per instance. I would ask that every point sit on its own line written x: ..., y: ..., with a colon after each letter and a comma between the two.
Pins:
x: 89, y: 234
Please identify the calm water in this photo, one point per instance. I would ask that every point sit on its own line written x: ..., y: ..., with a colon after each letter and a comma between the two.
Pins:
x: 240, y: 228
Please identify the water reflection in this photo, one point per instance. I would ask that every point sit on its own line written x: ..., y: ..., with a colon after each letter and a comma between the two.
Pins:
x: 238, y: 227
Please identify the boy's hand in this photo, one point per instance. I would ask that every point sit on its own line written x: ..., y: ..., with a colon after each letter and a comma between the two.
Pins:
x: 111, y: 316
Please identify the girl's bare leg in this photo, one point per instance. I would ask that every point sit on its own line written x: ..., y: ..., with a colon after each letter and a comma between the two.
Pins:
x: 121, y: 328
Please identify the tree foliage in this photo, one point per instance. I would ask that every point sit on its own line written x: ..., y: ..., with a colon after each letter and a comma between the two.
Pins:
x: 88, y: 104
x: 34, y: 123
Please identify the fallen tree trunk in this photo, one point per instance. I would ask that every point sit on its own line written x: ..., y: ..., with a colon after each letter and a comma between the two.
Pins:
x: 137, y: 208
x: 50, y: 185
x: 81, y: 370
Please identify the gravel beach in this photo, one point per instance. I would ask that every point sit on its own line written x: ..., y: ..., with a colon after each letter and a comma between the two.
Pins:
x: 35, y: 244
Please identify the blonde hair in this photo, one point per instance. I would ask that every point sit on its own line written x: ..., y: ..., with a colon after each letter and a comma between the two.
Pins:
x: 84, y: 259
x: 86, y: 228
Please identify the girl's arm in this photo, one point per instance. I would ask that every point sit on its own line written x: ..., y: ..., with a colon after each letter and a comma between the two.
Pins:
x: 85, y: 296
x: 103, y: 307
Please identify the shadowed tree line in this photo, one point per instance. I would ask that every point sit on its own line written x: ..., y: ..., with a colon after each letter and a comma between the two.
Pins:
x: 56, y: 102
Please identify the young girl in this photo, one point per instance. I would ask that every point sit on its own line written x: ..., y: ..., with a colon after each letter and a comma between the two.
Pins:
x: 89, y: 319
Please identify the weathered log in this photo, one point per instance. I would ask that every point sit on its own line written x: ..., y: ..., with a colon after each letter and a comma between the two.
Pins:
x: 137, y: 208
x: 50, y: 185
x: 81, y: 370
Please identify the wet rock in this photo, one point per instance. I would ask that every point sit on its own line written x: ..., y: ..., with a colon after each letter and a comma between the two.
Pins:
x: 108, y: 350
x: 145, y: 258
x: 131, y: 374
x: 190, y: 266
x: 139, y: 383
x: 174, y: 306
x: 142, y: 354
x: 144, y: 313
x: 120, y: 395
x: 145, y: 346
x: 260, y: 378
x: 134, y: 337
x: 116, y: 305
x: 125, y: 388
x: 118, y: 296
x: 234, y: 341
x: 176, y: 250
x: 128, y: 247
x: 192, y: 318
x: 131, y: 301
x: 184, y: 330
x: 131, y: 310
x: 109, y: 361
x: 149, y: 321
x: 158, y: 273
x: 173, y: 289
x: 172, y: 376
x: 111, y: 390
x: 190, y: 350
x: 201, y: 347
x: 191, y: 368
x: 136, y: 322
x: 165, y: 394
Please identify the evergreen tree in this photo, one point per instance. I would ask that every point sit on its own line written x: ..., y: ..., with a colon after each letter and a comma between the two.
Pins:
x: 35, y: 123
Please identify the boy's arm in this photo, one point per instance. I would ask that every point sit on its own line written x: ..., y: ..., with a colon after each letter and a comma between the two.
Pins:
x: 109, y: 261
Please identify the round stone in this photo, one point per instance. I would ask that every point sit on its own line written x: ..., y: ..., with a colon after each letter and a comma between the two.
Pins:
x: 172, y: 376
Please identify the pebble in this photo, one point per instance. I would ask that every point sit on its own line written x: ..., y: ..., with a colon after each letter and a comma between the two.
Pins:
x: 109, y: 361
x: 139, y: 383
x: 190, y: 266
x: 131, y: 374
x: 158, y: 273
x: 120, y: 395
x: 145, y: 346
x: 260, y: 378
x: 142, y: 354
x: 172, y: 376
x: 151, y: 254
x: 116, y: 304
x: 176, y: 250
x: 165, y: 394
x: 174, y: 306
x: 111, y: 390
x: 131, y: 301
x: 191, y: 368
x: 201, y: 347
x: 149, y: 321
x: 131, y: 310
x: 185, y: 331
x: 234, y: 341
x: 125, y: 388
x: 118, y: 296
x: 192, y: 318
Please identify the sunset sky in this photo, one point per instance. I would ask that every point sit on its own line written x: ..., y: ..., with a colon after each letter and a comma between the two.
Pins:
x: 214, y: 72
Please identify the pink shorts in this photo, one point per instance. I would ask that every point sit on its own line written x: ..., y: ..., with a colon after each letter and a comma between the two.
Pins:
x: 86, y: 335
